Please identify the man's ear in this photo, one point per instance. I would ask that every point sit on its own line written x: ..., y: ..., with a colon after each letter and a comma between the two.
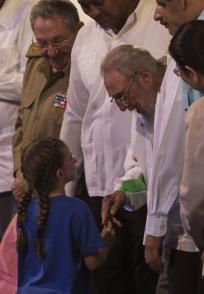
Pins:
x: 191, y: 73
x: 183, y: 4
x: 145, y: 77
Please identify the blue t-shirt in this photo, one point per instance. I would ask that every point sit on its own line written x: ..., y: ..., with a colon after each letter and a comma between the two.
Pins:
x: 71, y: 235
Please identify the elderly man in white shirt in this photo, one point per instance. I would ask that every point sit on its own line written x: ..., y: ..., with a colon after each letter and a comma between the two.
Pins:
x: 90, y: 125
x: 143, y: 76
x: 168, y: 157
x: 144, y: 147
x: 15, y: 38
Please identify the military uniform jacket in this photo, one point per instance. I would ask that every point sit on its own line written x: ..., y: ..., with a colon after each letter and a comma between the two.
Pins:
x: 43, y: 103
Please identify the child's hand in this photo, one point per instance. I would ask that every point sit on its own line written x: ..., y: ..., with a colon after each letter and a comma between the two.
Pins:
x: 108, y: 234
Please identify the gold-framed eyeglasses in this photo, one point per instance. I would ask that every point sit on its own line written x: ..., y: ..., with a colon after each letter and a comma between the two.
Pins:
x: 123, y: 95
x: 55, y: 43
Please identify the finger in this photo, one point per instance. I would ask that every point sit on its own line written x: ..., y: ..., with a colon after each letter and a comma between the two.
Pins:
x: 115, y: 221
x: 17, y: 195
x: 105, y: 210
x: 152, y: 258
x: 114, y: 208
x: 157, y: 266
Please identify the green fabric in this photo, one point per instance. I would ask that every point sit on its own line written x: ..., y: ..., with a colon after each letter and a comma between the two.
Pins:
x: 134, y: 185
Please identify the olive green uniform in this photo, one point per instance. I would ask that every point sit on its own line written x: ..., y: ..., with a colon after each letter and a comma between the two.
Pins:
x: 40, y: 114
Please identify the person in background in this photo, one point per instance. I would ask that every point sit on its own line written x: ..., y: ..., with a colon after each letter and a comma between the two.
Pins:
x: 15, y: 39
x: 55, y: 25
x: 57, y: 238
x: 90, y: 125
x: 163, y: 193
x: 190, y: 66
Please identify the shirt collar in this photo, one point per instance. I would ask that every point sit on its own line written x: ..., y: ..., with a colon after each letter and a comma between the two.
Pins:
x: 131, y: 21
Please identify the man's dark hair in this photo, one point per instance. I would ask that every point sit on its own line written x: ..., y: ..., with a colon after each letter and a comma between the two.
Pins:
x: 48, y: 8
x: 187, y: 46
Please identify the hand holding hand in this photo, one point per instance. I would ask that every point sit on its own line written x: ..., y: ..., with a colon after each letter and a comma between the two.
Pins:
x: 110, y: 205
x: 108, y: 234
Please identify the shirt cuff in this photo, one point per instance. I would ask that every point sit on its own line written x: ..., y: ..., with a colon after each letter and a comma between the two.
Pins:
x: 156, y: 226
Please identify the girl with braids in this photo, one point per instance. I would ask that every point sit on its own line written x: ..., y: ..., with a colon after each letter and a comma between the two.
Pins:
x: 57, y: 239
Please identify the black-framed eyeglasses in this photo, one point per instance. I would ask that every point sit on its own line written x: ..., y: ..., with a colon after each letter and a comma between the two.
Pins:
x: 123, y: 95
x: 55, y: 44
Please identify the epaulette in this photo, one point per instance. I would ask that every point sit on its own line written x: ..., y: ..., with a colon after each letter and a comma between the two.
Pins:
x: 33, y: 51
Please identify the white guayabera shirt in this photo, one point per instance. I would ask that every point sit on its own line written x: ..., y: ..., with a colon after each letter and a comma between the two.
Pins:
x: 168, y: 158
x: 15, y: 38
x: 95, y: 129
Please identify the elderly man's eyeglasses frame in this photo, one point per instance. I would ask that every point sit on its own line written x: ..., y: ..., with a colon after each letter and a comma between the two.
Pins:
x: 55, y: 44
x: 122, y: 96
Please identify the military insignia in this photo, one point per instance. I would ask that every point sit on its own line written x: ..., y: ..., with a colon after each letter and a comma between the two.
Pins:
x: 60, y: 100
x: 33, y: 51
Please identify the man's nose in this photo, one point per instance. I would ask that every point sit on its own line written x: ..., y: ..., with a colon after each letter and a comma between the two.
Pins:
x: 93, y: 11
x: 157, y: 13
x: 51, y: 50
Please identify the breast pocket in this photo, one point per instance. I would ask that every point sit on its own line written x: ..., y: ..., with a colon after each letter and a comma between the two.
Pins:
x: 56, y: 115
x: 51, y: 118
x: 25, y: 113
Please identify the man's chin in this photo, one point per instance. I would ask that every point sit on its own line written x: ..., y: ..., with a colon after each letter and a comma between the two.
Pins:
x: 172, y: 29
x: 131, y: 108
x: 56, y: 66
x: 104, y: 23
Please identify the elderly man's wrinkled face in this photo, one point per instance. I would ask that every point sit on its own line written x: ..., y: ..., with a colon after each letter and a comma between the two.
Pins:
x: 54, y: 40
x: 170, y: 13
x: 129, y: 94
x: 107, y: 13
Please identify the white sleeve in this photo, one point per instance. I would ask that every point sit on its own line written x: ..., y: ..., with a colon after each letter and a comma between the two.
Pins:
x: 168, y: 152
x: 11, y: 80
x: 132, y: 169
x: 77, y: 102
x: 192, y: 185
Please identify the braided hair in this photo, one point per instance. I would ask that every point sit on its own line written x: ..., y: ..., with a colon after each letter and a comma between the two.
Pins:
x: 40, y: 162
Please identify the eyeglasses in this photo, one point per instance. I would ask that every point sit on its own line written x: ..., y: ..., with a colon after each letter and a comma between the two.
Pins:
x: 55, y: 44
x: 70, y: 162
x: 122, y: 96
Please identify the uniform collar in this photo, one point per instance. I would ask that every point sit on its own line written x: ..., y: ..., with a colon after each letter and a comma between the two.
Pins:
x: 12, y: 12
